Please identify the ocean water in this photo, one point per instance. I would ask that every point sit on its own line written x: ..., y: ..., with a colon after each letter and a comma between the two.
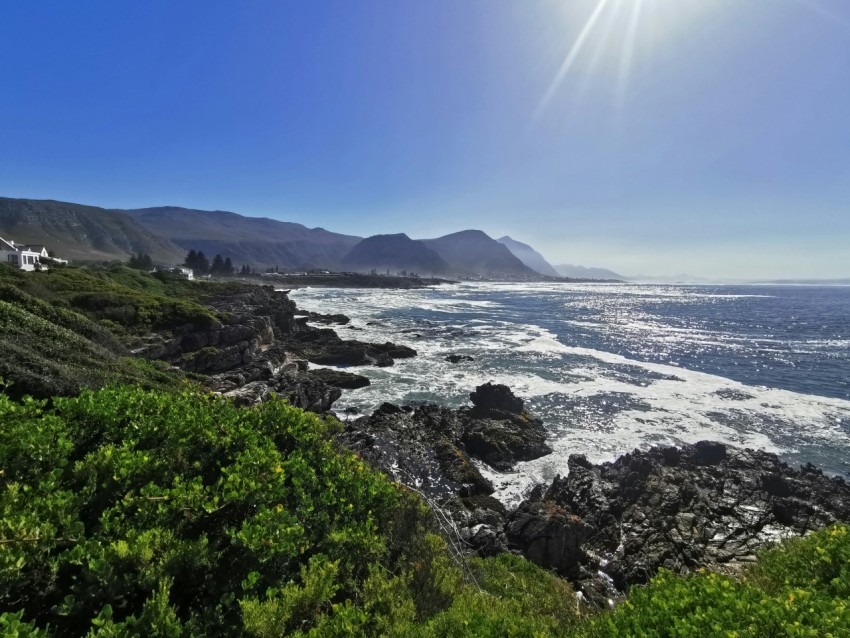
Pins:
x: 614, y: 367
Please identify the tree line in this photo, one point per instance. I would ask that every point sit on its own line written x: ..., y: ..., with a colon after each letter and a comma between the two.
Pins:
x: 222, y: 266
x: 197, y: 261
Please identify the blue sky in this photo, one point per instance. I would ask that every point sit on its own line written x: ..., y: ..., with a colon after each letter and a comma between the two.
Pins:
x: 701, y: 136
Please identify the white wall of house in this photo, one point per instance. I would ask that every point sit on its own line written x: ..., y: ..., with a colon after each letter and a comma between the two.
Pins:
x: 23, y: 259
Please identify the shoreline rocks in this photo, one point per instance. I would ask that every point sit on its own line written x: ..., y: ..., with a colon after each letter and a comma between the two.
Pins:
x: 258, y: 346
x: 433, y: 449
x: 703, y: 505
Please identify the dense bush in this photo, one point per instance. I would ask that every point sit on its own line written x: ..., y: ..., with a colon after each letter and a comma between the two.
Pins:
x: 131, y: 512
x: 43, y: 357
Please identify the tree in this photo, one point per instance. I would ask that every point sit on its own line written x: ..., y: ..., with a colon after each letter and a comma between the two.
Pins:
x: 140, y: 261
x: 228, y: 267
x: 217, y: 267
x: 198, y: 262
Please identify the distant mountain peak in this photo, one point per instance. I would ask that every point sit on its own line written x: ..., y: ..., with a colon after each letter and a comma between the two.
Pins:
x: 581, y: 272
x: 528, y: 256
x: 474, y: 252
x: 259, y: 241
x: 395, y: 252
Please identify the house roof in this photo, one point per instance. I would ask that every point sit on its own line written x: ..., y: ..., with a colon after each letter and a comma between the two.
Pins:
x: 5, y: 245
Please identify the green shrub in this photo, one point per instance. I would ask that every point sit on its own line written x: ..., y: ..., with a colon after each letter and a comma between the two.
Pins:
x: 134, y: 300
x: 121, y: 506
x: 818, y: 563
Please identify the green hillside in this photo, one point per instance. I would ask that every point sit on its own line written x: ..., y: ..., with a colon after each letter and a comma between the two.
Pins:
x: 67, y: 329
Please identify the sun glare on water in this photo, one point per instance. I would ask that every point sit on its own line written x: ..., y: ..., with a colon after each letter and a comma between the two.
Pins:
x: 615, y: 30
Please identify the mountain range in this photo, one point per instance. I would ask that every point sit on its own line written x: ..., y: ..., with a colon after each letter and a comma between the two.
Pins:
x: 473, y: 252
x: 167, y: 233
x: 258, y: 241
x: 75, y: 231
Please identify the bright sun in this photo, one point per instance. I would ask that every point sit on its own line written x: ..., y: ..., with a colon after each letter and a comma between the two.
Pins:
x: 617, y: 28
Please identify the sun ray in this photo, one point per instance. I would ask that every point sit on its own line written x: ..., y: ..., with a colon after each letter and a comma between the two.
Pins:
x: 571, y: 58
x: 627, y: 59
x: 603, y: 33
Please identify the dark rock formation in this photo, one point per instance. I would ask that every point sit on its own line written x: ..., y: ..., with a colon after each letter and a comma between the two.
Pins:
x: 494, y: 398
x: 457, y: 358
x: 337, y: 319
x: 258, y: 347
x: 704, y: 505
x: 325, y: 347
x: 253, y: 319
x: 548, y: 535
x: 430, y: 449
x: 499, y: 432
x: 340, y: 379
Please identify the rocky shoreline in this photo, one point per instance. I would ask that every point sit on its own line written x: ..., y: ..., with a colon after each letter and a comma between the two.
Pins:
x: 605, y: 527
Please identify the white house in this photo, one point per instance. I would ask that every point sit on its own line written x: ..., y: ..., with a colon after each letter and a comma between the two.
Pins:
x: 21, y: 256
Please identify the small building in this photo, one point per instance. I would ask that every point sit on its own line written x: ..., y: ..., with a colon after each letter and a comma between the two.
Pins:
x: 188, y: 273
x: 21, y: 256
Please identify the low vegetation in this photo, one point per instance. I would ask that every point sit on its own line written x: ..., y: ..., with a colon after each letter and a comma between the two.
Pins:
x: 130, y: 300
x: 800, y: 588
x: 133, y: 512
x: 68, y: 329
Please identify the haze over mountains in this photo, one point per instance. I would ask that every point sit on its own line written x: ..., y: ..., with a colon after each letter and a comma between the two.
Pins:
x: 167, y: 233
x: 529, y: 256
x: 580, y: 272
x: 473, y: 252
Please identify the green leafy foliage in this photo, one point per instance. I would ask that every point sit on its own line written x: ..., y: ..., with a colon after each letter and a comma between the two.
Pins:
x: 125, y: 508
x: 131, y: 512
x: 53, y: 351
x: 817, y: 563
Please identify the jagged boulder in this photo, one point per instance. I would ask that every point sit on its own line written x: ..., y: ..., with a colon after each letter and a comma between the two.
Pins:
x: 492, y: 397
x: 702, y: 505
x: 548, y: 535
x: 498, y: 431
